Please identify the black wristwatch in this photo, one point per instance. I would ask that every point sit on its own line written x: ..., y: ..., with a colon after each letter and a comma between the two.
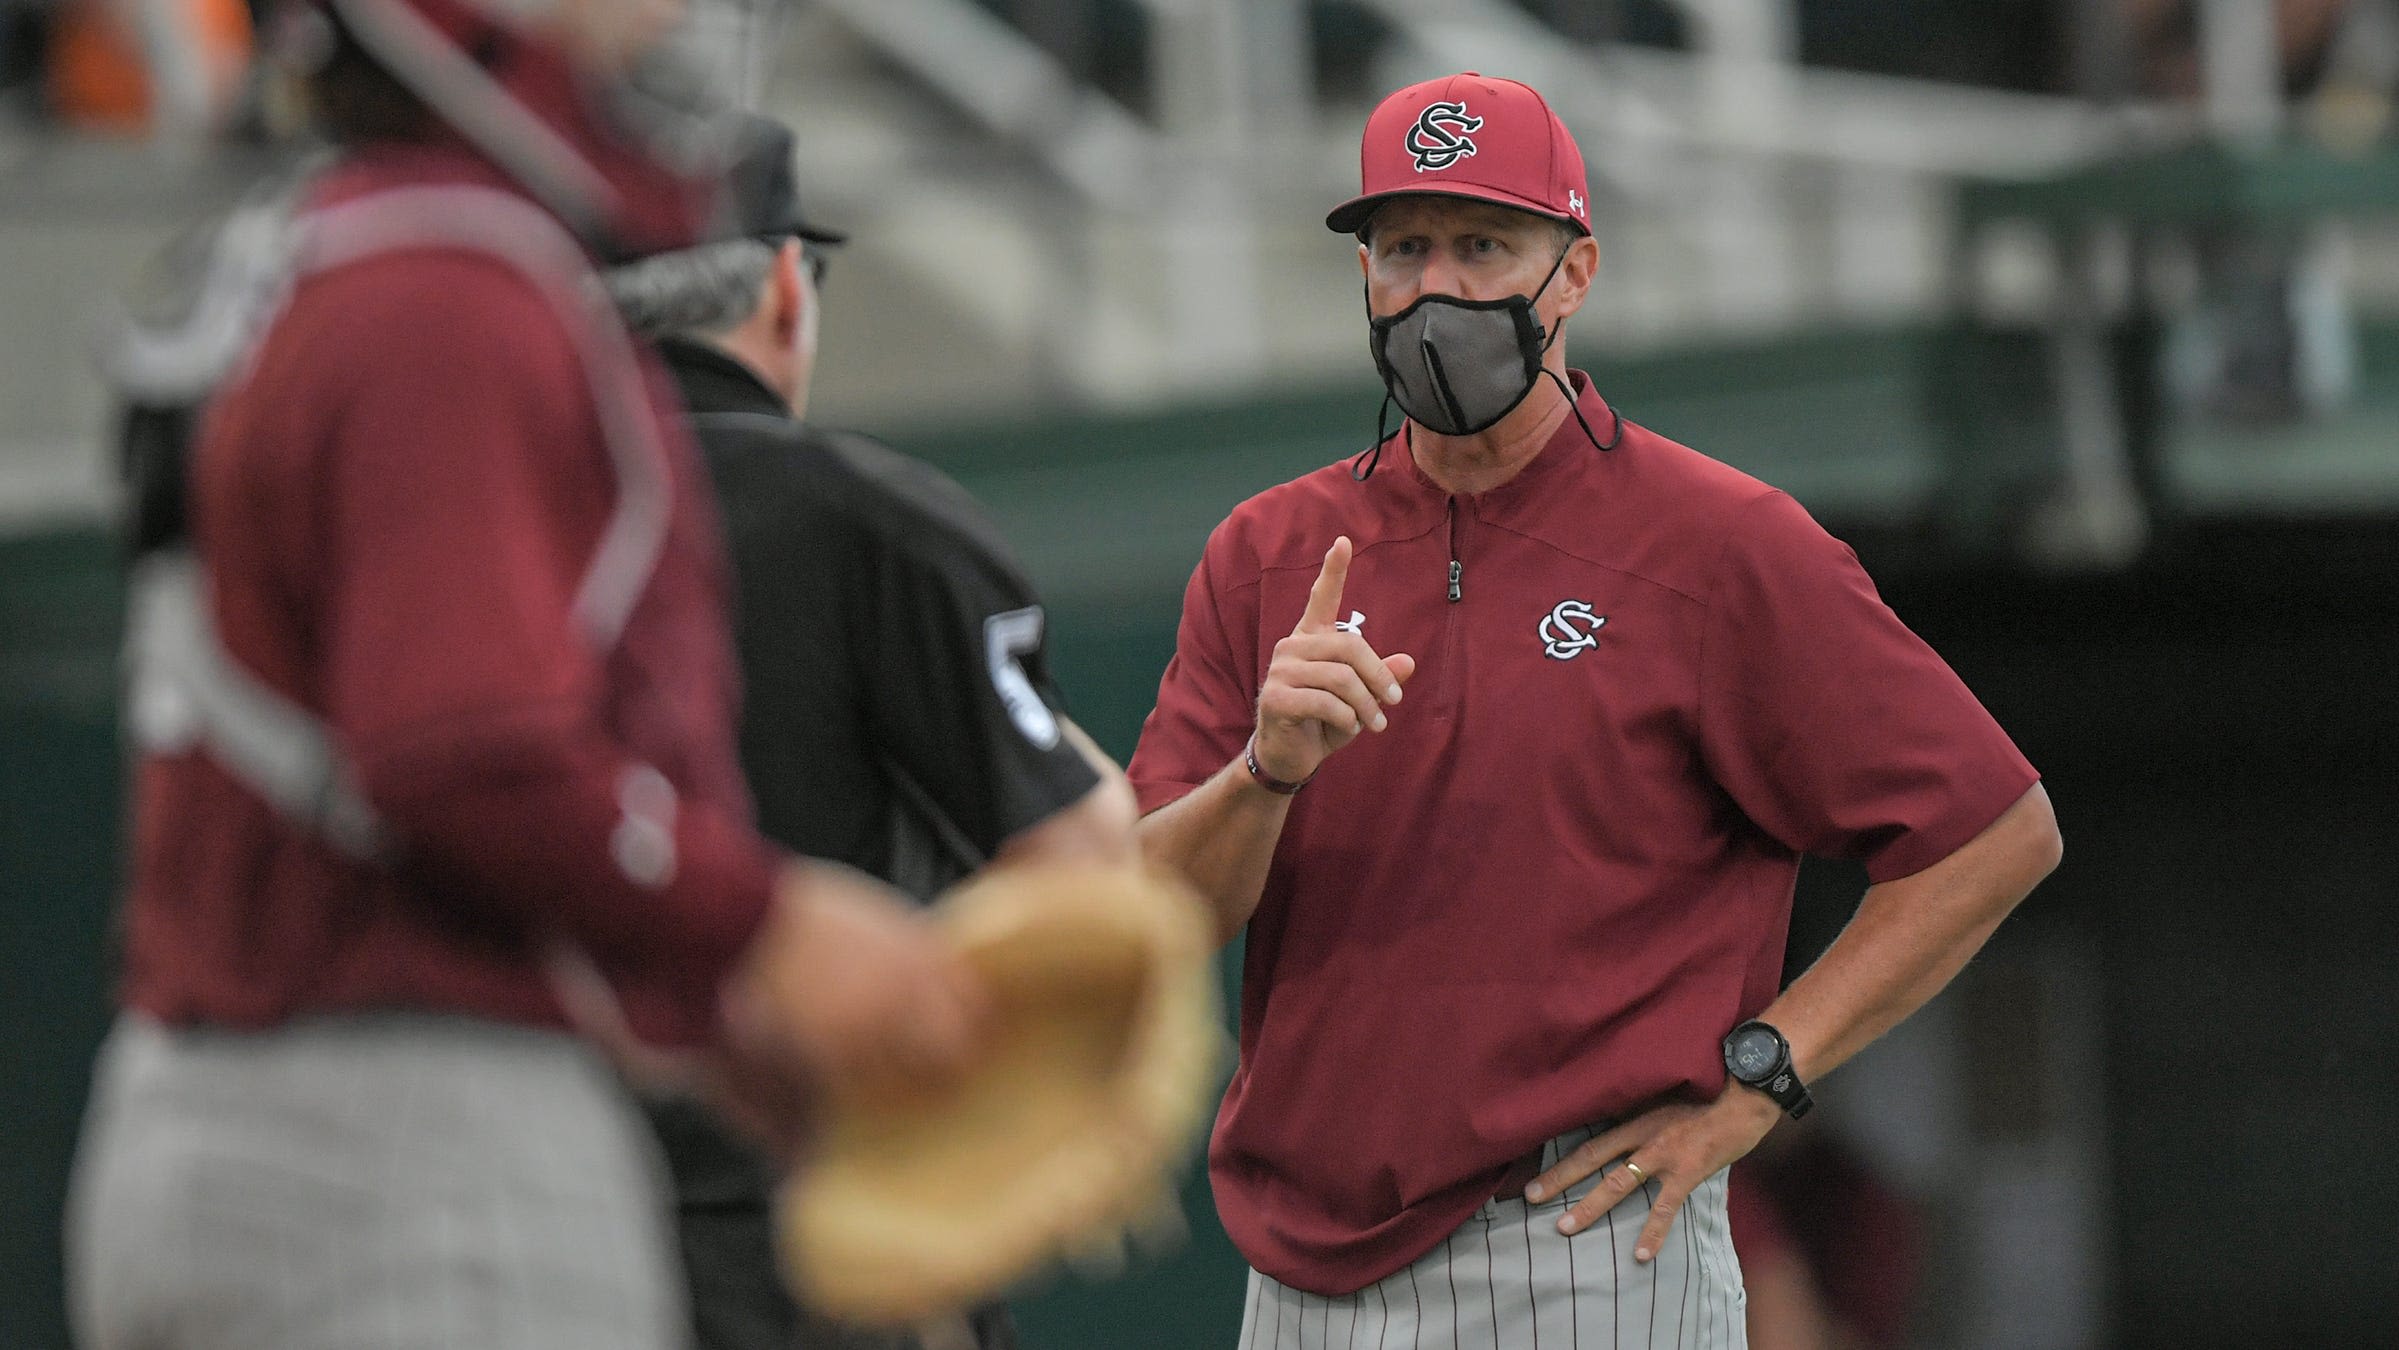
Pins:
x: 1757, y: 1056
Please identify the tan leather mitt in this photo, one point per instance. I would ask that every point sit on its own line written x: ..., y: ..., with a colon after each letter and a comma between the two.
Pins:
x: 1102, y: 1061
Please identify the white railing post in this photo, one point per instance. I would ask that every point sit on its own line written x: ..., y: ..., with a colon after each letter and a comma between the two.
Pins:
x: 1204, y: 217
x: 1748, y: 51
x: 2241, y: 61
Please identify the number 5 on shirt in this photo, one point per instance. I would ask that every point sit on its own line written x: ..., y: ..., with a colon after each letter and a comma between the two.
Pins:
x: 1006, y: 639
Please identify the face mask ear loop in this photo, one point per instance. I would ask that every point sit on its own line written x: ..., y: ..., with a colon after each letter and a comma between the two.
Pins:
x: 1548, y: 337
x: 1372, y: 455
x: 1615, y: 433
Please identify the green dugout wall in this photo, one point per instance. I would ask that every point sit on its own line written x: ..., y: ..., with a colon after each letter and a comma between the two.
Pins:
x: 59, y: 793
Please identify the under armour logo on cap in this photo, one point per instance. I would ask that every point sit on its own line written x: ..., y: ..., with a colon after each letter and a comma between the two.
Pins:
x: 1435, y: 140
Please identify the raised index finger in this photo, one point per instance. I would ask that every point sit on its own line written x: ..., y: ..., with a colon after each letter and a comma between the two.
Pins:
x: 1324, y: 598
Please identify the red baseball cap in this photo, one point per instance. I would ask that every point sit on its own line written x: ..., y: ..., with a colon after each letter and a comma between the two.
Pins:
x: 1469, y: 135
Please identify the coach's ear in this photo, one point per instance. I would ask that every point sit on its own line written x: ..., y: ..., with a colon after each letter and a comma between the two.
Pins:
x: 1575, y: 273
x: 784, y: 300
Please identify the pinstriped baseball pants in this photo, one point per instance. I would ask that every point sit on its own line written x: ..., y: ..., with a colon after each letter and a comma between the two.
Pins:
x: 373, y: 1182
x: 1506, y: 1280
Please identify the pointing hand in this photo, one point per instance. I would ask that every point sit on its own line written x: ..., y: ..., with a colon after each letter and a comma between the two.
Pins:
x: 1325, y: 685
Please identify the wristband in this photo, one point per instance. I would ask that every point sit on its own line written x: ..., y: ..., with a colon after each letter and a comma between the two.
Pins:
x: 1258, y: 774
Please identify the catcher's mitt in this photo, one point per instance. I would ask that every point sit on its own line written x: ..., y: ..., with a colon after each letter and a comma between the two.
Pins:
x: 1104, y: 1050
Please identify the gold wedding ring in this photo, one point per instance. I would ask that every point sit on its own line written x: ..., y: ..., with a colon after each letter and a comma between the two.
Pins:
x: 1640, y: 1173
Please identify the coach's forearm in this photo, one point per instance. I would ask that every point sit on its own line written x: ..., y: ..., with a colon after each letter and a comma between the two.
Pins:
x: 1912, y: 935
x: 1221, y: 837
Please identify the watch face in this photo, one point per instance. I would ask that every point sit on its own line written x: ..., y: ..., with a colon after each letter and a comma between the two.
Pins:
x: 1752, y: 1055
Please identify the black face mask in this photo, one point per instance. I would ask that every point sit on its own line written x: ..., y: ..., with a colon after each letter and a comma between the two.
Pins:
x: 1459, y: 366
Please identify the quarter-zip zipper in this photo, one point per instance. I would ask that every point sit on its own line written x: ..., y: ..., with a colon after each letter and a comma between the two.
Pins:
x: 1450, y: 679
x: 1457, y: 569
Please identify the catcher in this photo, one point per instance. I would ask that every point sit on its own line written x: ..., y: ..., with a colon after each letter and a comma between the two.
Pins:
x: 433, y: 707
x: 900, y: 714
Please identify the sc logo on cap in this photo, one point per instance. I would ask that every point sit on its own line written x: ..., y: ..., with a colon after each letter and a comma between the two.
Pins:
x: 1436, y: 141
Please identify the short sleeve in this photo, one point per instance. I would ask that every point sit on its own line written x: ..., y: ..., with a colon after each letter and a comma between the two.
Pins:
x: 1836, y: 729
x: 1207, y: 700
x: 962, y: 696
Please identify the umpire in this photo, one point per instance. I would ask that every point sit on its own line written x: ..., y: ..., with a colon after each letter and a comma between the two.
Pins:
x: 899, y: 711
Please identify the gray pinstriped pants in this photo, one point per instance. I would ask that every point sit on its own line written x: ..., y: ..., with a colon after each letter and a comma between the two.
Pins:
x: 1506, y: 1280
x: 376, y: 1182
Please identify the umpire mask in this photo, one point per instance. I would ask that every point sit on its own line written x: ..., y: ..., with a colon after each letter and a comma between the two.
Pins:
x: 1458, y: 366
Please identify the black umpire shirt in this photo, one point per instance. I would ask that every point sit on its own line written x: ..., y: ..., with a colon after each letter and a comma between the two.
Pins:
x: 898, y: 716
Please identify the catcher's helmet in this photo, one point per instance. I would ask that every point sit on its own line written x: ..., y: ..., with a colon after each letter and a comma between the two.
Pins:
x: 608, y: 111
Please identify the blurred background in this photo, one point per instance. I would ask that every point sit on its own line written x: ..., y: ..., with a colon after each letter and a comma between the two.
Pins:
x: 2078, y: 318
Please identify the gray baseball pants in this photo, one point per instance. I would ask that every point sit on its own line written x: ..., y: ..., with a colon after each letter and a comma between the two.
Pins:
x: 375, y: 1182
x: 1506, y: 1280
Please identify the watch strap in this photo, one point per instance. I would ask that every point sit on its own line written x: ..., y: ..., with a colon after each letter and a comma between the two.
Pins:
x: 1788, y: 1092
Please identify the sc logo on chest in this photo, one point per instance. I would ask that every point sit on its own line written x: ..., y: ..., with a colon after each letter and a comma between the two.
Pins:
x: 1570, y: 630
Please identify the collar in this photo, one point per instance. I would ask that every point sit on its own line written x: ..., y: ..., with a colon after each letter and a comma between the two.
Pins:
x: 712, y: 381
x: 1568, y: 449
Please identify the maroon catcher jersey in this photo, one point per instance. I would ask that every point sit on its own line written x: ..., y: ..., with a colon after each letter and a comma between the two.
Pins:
x: 403, y: 500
